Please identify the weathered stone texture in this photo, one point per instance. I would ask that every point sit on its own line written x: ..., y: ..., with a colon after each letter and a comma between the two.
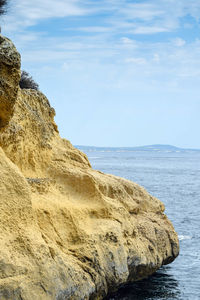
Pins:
x: 67, y: 231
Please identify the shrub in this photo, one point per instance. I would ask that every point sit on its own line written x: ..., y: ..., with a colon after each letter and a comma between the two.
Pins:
x: 3, y: 4
x: 27, y: 82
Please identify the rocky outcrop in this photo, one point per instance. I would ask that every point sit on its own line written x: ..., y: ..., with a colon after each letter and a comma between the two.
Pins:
x: 9, y: 78
x: 67, y: 231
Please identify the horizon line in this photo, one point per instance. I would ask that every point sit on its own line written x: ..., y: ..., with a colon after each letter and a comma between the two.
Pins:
x: 143, y: 146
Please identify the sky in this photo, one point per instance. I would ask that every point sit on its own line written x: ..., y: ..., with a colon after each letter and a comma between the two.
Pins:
x: 117, y: 72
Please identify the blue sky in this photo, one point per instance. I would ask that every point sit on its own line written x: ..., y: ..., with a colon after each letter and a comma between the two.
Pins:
x: 118, y: 72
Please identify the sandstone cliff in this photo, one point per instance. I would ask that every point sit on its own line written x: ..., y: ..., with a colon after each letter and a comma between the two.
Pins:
x: 67, y: 231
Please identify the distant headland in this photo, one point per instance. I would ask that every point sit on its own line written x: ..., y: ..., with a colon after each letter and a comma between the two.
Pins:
x: 155, y: 147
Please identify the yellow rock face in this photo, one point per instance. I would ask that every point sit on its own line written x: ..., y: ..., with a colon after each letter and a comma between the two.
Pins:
x: 67, y: 231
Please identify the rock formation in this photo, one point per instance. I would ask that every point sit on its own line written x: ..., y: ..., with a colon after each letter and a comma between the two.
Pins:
x: 9, y: 78
x: 67, y: 231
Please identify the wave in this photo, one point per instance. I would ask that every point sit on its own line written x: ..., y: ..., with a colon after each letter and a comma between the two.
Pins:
x: 184, y: 237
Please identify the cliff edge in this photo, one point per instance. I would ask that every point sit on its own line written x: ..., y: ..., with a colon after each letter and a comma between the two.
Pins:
x: 67, y: 231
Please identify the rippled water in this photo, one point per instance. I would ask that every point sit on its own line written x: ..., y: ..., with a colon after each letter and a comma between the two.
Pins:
x: 174, y: 178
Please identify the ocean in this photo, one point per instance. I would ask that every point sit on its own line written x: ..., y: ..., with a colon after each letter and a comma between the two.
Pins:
x: 174, y: 178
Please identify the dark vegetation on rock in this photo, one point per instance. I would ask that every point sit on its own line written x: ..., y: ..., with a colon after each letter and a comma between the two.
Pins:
x: 3, y: 6
x: 27, y: 82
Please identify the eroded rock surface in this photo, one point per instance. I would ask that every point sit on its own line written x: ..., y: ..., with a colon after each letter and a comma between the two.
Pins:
x: 9, y: 78
x: 67, y: 231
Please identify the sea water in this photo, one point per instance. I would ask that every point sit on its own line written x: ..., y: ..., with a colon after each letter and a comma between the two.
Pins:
x: 174, y: 178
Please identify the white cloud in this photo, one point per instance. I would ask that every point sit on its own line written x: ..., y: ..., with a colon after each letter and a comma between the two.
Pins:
x: 143, y: 11
x: 136, y: 60
x: 149, y: 30
x: 129, y: 43
x: 154, y: 17
x: 126, y: 41
x: 111, y: 42
x: 156, y: 58
x: 94, y: 29
x: 179, y: 42
x: 26, y: 13
x: 49, y: 8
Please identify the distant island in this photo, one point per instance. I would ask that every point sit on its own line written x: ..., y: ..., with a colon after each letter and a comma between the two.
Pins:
x: 156, y: 148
